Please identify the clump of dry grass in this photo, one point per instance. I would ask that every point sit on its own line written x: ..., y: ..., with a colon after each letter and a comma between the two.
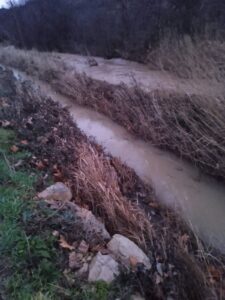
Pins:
x: 98, y: 184
x: 190, y: 58
x: 43, y: 67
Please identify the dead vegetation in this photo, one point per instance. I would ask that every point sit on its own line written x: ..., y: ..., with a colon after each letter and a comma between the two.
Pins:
x: 192, y: 126
x: 101, y: 187
x: 117, y: 196
x: 190, y: 58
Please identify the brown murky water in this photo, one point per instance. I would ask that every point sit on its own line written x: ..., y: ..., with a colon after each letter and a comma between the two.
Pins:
x: 119, y: 70
x: 176, y: 183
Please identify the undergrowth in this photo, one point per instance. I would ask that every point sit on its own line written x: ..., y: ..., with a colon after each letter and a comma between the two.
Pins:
x: 190, y: 58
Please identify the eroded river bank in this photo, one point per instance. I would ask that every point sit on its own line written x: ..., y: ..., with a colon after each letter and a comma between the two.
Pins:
x: 200, y: 200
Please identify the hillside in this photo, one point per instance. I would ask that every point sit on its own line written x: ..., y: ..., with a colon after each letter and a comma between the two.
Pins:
x: 108, y: 28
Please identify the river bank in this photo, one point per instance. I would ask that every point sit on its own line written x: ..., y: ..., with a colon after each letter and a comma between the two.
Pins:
x: 94, y: 177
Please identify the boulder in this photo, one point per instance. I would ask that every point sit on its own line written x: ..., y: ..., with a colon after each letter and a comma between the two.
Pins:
x: 103, y: 268
x: 58, y: 192
x: 91, y: 225
x: 88, y: 226
x: 124, y: 249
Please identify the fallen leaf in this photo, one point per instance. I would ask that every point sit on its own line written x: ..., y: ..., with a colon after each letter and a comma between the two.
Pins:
x: 63, y: 243
x: 14, y: 149
x: 40, y: 165
x: 215, y: 273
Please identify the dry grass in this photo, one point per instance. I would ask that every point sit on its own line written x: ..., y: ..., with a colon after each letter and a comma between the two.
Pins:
x: 111, y: 190
x: 43, y: 67
x: 191, y: 126
x: 188, y: 58
x: 98, y: 183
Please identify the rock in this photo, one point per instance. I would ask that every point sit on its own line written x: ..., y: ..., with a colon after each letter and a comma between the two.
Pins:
x: 59, y: 191
x: 75, y: 261
x: 92, y: 62
x: 124, y: 249
x: 84, y: 223
x: 83, y: 248
x: 94, y: 229
x: 103, y: 267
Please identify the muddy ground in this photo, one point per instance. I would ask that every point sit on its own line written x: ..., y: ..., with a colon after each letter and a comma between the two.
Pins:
x: 114, y: 194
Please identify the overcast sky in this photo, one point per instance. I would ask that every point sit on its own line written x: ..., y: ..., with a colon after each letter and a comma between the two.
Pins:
x: 2, y: 3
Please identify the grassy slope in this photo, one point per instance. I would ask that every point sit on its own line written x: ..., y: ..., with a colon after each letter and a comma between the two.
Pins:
x: 30, y: 259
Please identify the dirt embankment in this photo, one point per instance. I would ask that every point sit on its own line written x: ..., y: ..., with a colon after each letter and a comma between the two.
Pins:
x: 115, y: 194
x: 190, y: 125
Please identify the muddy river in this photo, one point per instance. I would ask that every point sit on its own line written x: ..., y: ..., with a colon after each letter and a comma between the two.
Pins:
x: 119, y: 70
x: 201, y: 201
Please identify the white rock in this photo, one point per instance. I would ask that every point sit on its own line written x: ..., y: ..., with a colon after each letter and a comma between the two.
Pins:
x: 58, y: 191
x: 103, y: 267
x: 124, y: 249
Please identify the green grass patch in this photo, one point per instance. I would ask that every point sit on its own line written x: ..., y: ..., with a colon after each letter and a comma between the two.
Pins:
x: 30, y: 261
x: 32, y: 267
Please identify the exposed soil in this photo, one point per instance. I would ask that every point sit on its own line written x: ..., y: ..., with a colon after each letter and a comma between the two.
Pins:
x: 115, y: 194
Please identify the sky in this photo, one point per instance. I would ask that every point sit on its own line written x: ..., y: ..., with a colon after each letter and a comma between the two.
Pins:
x: 3, y: 3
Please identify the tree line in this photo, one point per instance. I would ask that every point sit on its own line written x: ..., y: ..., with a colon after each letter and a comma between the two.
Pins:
x: 107, y: 27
